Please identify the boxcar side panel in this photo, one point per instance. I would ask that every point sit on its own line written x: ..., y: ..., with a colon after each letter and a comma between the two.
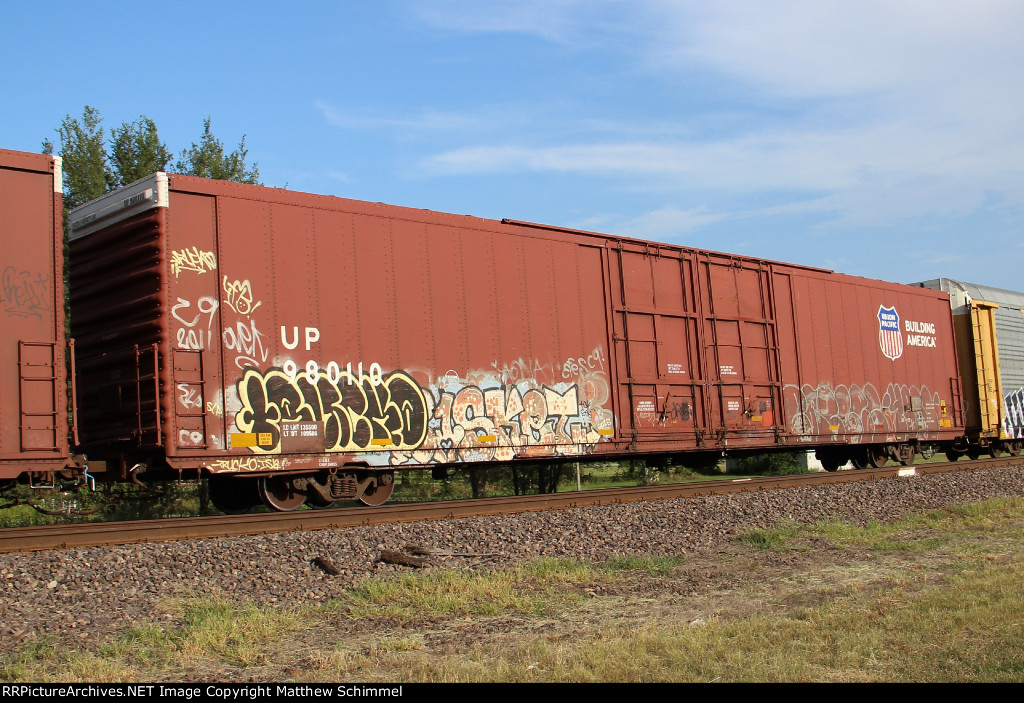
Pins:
x: 335, y: 334
x: 304, y: 332
x: 876, y: 363
x: 33, y: 414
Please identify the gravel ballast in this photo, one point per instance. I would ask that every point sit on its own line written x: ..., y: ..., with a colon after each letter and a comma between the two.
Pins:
x: 86, y: 591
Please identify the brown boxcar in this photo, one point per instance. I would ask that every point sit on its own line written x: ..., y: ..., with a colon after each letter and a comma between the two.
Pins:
x: 33, y: 349
x: 322, y: 343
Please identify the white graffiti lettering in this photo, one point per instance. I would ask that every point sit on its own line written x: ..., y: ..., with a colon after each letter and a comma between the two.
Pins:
x: 190, y: 438
x: 195, y: 337
x: 189, y: 397
x: 593, y: 362
x: 860, y: 409
x: 247, y: 340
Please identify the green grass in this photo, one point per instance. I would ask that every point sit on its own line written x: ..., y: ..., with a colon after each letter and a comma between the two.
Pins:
x: 778, y: 538
x: 199, y: 630
x: 532, y: 588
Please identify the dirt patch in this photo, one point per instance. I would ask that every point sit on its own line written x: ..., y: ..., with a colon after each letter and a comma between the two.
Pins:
x: 736, y: 581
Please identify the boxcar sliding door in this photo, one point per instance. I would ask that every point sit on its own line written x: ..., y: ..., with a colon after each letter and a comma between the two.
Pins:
x: 741, y: 348
x: 661, y: 389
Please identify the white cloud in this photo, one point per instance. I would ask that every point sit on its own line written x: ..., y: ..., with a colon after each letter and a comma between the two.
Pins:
x: 423, y: 120
x: 900, y: 152
x: 881, y: 110
x: 852, y: 47
x: 566, y: 21
x: 667, y: 223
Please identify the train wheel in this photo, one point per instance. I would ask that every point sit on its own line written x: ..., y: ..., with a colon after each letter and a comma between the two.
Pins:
x: 233, y: 496
x: 377, y: 488
x: 318, y: 503
x: 995, y: 450
x: 974, y: 452
x: 860, y: 461
x: 1013, y: 448
x: 952, y: 455
x: 831, y: 463
x: 279, y: 493
x: 877, y: 456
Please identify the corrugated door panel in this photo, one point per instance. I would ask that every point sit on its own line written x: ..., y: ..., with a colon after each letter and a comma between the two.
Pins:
x: 741, y: 347
x: 1010, y: 347
x: 656, y: 338
x: 987, y: 365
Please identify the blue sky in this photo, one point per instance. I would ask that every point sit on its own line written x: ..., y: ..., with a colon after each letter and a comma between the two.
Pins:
x: 882, y: 139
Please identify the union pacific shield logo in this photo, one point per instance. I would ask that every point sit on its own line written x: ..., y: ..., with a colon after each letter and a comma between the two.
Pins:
x: 890, y: 339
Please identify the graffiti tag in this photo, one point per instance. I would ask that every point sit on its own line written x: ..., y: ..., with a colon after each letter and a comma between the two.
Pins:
x: 357, y: 414
x: 238, y: 296
x: 25, y: 294
x: 459, y: 420
x: 192, y: 260
x: 861, y: 409
x: 251, y: 463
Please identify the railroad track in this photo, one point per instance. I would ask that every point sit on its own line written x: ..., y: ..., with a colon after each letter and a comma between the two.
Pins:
x: 38, y: 538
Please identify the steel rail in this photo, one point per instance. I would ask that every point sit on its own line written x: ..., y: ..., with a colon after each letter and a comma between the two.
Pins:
x: 38, y: 538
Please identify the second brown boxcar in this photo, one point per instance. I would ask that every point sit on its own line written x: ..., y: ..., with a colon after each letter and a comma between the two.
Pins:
x: 318, y: 344
x: 33, y: 347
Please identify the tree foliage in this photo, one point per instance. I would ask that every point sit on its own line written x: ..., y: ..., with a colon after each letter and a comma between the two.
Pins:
x: 771, y: 464
x: 93, y: 167
x: 136, y: 151
x: 87, y: 173
x: 208, y: 160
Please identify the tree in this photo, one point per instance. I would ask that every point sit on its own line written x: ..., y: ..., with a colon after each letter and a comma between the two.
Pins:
x: 208, y: 160
x: 136, y: 151
x: 87, y: 173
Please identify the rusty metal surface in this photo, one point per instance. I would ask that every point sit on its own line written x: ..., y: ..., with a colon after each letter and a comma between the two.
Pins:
x: 300, y: 333
x: 97, y: 534
x: 33, y: 411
